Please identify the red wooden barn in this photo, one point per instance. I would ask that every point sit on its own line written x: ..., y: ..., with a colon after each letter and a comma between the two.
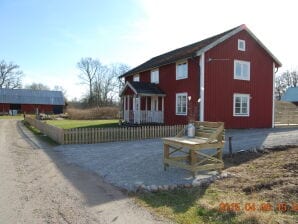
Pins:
x: 29, y: 101
x: 228, y: 77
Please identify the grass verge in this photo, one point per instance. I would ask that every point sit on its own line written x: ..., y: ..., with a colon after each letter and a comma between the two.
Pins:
x: 38, y: 134
x: 68, y: 124
x: 263, y: 189
x: 17, y: 117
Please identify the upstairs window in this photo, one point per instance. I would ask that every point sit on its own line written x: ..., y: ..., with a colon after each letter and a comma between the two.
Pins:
x: 181, y: 70
x: 136, y: 78
x: 241, y: 70
x: 181, y: 104
x: 154, y: 77
x: 241, y: 105
x: 241, y: 45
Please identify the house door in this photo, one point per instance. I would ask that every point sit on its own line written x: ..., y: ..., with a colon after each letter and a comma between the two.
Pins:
x: 154, y: 109
x: 136, y: 109
x: 154, y: 103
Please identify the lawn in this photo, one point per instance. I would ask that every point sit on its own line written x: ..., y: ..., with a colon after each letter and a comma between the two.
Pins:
x: 17, y: 117
x: 68, y: 124
x: 263, y: 189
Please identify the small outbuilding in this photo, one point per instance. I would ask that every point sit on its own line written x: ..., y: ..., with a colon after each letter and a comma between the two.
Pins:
x: 291, y: 95
x: 31, y: 101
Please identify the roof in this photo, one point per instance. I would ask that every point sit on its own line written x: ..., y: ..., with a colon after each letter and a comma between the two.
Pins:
x: 143, y: 88
x: 28, y: 96
x: 193, y: 50
x: 291, y: 95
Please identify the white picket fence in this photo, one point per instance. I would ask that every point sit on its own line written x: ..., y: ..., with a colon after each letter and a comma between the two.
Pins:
x: 98, y: 135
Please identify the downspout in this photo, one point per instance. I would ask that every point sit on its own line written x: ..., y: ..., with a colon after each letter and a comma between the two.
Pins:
x: 273, y: 94
x: 202, y: 85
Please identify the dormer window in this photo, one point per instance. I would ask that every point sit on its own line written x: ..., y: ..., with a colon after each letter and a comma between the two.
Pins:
x: 181, y: 70
x: 154, y: 76
x: 136, y: 78
x: 241, y: 45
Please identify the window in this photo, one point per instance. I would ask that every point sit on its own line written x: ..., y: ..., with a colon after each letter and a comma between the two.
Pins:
x: 181, y: 70
x: 241, y: 105
x: 136, y: 78
x: 241, y: 70
x: 155, y: 76
x: 181, y: 104
x: 241, y: 45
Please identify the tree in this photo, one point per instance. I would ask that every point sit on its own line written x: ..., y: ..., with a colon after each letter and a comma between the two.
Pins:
x: 118, y: 70
x: 37, y: 86
x: 10, y: 75
x: 60, y: 88
x: 89, y: 69
x: 102, y: 81
x: 285, y: 80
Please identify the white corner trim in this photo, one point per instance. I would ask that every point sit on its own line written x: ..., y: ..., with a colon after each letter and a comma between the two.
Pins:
x: 202, y: 86
x: 273, y: 96
x: 232, y: 33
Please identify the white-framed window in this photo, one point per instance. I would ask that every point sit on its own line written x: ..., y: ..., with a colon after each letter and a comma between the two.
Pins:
x: 136, y: 78
x: 241, y: 45
x: 181, y: 70
x: 241, y: 70
x: 241, y: 105
x: 154, y: 76
x: 181, y: 104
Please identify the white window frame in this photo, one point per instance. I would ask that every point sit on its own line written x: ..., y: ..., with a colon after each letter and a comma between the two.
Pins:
x: 136, y: 78
x: 241, y: 76
x: 176, y: 105
x: 241, y: 114
x: 181, y: 76
x: 154, y: 76
x: 241, y: 42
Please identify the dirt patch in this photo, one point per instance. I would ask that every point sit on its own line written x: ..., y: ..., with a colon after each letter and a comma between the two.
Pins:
x: 272, y: 175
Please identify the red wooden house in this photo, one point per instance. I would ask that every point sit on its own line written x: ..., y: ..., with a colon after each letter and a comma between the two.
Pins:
x: 228, y: 77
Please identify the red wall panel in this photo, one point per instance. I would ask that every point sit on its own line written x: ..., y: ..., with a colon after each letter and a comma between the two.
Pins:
x: 171, y: 86
x: 30, y: 108
x: 220, y: 84
x: 4, y: 108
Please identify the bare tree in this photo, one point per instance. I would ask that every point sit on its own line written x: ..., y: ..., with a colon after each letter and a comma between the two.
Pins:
x: 37, y: 86
x: 280, y: 86
x: 60, y: 88
x: 89, y: 69
x: 294, y: 75
x: 10, y: 75
x: 285, y: 80
x: 118, y: 70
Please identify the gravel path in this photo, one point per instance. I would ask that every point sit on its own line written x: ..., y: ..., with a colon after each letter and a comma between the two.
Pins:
x: 128, y: 164
x: 37, y: 186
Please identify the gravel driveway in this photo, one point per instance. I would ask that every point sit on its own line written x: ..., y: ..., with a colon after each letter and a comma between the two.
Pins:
x: 127, y: 164
x: 38, y: 186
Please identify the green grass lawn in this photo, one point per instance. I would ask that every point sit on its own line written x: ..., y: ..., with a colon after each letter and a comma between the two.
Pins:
x: 68, y: 124
x: 17, y: 117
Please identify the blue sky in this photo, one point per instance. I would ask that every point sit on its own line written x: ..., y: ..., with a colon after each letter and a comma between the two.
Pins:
x: 48, y: 37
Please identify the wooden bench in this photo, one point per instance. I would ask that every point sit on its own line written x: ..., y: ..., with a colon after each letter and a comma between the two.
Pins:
x: 191, y: 153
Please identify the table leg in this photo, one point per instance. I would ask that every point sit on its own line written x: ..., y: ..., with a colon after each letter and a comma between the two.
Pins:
x: 193, y: 161
x: 166, y: 155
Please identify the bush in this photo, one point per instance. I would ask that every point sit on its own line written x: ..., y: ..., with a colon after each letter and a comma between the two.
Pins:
x: 93, y: 113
